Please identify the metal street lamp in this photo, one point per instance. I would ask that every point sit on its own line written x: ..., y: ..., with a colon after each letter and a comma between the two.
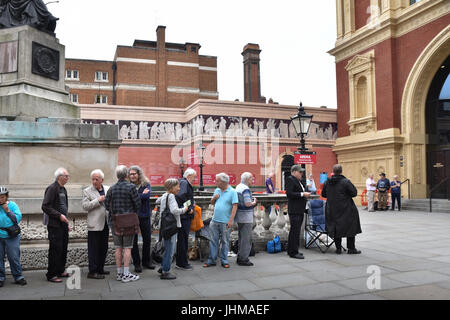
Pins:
x: 302, y: 122
x: 201, y: 150
x: 182, y: 166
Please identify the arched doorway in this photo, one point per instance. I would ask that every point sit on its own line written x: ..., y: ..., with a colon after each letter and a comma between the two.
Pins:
x: 286, y: 164
x: 438, y: 131
x: 413, y: 114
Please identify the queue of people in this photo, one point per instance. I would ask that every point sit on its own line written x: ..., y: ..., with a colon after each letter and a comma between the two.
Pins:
x: 381, y: 188
x: 124, y: 208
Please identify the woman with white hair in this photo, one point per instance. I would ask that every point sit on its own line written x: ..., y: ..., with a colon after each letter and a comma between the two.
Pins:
x: 311, y: 184
x: 244, y: 218
x: 97, y: 224
x: 186, y: 194
x: 168, y: 200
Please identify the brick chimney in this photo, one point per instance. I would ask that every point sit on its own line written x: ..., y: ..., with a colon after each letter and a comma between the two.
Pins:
x: 161, y: 37
x: 252, y: 83
x: 161, y: 91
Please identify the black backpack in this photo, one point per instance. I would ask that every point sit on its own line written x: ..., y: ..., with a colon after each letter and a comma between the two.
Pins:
x: 168, y: 222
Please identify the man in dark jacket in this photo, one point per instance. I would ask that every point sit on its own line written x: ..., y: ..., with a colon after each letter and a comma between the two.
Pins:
x: 342, y: 216
x: 56, y: 208
x: 297, y: 196
x: 383, y: 186
x: 186, y: 193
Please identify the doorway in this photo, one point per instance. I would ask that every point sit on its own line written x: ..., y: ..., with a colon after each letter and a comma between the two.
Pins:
x: 438, y: 130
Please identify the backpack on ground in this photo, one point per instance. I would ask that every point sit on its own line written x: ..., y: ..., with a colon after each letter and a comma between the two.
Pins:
x: 274, y: 246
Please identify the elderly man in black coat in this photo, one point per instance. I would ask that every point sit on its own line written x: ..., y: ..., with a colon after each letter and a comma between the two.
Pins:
x: 342, y: 216
x: 297, y: 195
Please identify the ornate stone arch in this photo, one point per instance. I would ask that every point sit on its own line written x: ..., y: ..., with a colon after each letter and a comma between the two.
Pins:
x: 413, y: 110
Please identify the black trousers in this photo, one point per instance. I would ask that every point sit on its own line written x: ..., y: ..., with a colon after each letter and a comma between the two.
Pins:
x: 350, y: 243
x: 296, y: 221
x: 396, y: 196
x: 146, y: 233
x: 98, y: 249
x: 57, y: 251
x: 183, y: 242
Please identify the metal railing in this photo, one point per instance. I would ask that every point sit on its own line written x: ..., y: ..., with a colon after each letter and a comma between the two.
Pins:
x: 409, y: 187
x: 435, y: 188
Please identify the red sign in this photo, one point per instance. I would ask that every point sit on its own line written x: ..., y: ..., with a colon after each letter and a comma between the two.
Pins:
x: 305, y: 159
x: 157, y: 180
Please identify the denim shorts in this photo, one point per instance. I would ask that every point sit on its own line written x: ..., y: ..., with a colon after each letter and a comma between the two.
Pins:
x: 125, y: 242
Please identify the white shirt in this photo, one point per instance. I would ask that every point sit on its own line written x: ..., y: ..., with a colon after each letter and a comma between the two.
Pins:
x: 369, y: 181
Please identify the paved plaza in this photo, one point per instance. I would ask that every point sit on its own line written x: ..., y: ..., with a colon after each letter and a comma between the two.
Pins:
x: 411, y: 249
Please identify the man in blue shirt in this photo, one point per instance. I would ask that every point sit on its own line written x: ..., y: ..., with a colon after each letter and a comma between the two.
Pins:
x: 396, y: 192
x: 225, y: 201
x: 383, y: 186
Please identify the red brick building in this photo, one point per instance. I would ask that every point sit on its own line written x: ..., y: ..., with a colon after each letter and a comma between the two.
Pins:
x: 164, y: 98
x: 391, y: 64
x: 148, y: 73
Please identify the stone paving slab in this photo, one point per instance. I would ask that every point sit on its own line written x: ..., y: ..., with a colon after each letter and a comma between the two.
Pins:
x: 418, y: 277
x: 225, y: 287
x: 319, y: 291
x: 281, y: 281
x: 427, y: 292
x: 273, y: 294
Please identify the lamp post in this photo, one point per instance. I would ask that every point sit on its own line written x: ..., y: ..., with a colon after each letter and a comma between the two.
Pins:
x: 302, y: 122
x: 201, y: 150
x: 182, y: 167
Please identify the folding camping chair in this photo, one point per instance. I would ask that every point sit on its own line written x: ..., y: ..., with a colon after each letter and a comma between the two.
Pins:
x: 315, y: 226
x: 202, y: 237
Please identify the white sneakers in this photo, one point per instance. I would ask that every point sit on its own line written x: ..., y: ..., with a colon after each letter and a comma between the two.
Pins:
x: 127, y: 278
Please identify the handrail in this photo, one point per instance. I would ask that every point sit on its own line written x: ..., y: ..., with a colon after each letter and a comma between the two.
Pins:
x: 435, y: 188
x: 409, y: 187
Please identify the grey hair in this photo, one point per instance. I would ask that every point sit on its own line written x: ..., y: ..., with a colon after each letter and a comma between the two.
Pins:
x: 142, y: 178
x: 188, y: 172
x: 223, y: 177
x: 245, y: 176
x: 98, y: 172
x: 121, y: 172
x: 337, y: 169
x: 60, y: 172
x: 170, y: 183
x: 297, y: 167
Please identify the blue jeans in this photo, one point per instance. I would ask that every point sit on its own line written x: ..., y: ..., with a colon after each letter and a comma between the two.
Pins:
x: 12, y: 248
x: 169, y: 249
x: 219, y: 231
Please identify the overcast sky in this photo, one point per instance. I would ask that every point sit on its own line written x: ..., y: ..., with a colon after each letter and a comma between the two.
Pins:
x: 294, y: 36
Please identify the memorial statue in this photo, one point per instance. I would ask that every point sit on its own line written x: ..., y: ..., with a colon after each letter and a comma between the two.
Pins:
x: 14, y: 13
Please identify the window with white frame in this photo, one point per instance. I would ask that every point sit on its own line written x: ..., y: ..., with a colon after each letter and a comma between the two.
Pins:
x: 74, y: 97
x: 72, y: 74
x: 101, y: 99
x: 101, y: 76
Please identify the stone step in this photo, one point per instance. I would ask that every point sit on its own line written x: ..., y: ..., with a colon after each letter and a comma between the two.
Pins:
x: 438, y: 205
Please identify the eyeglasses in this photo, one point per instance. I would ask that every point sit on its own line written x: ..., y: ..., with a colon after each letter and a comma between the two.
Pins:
x: 133, y: 174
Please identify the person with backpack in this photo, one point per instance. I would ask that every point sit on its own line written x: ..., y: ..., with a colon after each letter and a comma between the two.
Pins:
x: 244, y: 219
x: 169, y: 202
x: 10, y: 216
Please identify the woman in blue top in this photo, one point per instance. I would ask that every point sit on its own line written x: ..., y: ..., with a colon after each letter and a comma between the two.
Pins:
x: 138, y: 178
x: 11, y: 246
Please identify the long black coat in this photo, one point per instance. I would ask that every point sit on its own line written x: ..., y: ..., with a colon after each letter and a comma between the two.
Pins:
x: 296, y: 203
x: 341, y: 214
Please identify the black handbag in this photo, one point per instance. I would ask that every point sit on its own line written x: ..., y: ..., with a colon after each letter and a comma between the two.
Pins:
x: 14, y: 230
x: 168, y: 222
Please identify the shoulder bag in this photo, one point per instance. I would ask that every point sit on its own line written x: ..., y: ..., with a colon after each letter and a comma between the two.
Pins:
x: 125, y: 224
x: 168, y: 222
x: 14, y: 230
